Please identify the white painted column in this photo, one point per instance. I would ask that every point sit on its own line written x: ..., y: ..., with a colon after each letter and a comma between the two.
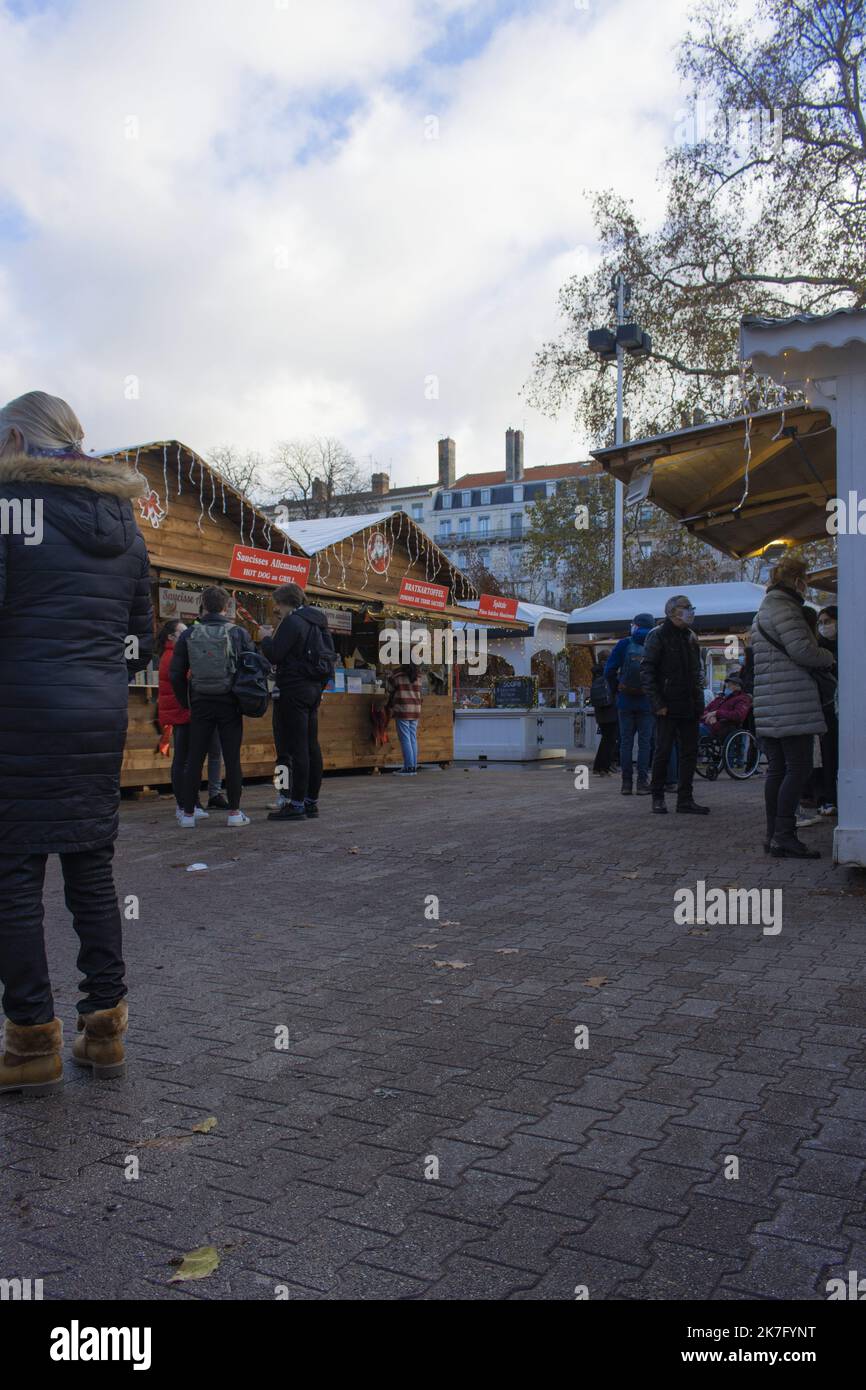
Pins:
x: 849, y: 842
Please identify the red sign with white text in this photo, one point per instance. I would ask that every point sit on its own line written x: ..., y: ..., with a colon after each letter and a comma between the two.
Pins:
x: 420, y: 594
x: 268, y: 567
x: 493, y: 606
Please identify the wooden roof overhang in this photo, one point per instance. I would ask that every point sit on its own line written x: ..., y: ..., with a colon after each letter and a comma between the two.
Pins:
x: 706, y: 479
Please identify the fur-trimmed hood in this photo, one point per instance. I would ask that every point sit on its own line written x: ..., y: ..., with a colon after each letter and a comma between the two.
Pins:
x: 86, y: 500
x: 72, y: 470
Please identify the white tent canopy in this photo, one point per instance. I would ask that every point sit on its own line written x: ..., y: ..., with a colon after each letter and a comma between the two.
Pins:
x: 319, y: 534
x: 717, y: 606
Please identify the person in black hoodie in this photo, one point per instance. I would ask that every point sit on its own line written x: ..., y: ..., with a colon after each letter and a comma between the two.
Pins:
x: 302, y: 651
x: 75, y: 624
x: 673, y: 679
x: 208, y: 695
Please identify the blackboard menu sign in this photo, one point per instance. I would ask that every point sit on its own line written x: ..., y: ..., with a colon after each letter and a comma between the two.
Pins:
x: 515, y: 692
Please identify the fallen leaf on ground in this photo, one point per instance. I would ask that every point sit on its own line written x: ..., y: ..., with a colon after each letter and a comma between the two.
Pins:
x: 353, y: 849
x: 197, y: 1264
x: 596, y: 981
x: 206, y: 1125
x: 507, y: 951
x: 627, y: 875
x: 449, y: 924
x: 452, y: 964
x: 696, y: 932
x: 424, y: 946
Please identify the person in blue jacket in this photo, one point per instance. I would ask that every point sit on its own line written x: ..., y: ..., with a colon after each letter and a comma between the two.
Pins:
x: 633, y: 707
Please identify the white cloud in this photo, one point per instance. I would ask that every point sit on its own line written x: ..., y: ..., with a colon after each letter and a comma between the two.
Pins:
x: 279, y: 249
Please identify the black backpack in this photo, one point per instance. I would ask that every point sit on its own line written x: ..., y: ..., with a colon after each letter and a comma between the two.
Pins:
x: 319, y: 656
x: 599, y: 692
x: 250, y: 687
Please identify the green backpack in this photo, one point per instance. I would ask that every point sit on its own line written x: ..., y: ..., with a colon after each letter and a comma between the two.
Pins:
x: 212, y: 658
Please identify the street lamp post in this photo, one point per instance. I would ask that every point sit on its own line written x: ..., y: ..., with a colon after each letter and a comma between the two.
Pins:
x: 608, y: 346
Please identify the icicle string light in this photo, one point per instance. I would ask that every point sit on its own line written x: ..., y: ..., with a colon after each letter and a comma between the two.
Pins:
x: 212, y: 497
x: 179, y: 483
x: 223, y: 487
x: 200, y: 497
x: 165, y: 472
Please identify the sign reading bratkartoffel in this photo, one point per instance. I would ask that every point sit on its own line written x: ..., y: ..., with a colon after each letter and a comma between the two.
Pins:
x: 421, y: 594
x: 268, y: 567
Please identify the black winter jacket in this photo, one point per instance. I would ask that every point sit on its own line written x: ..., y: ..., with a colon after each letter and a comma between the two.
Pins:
x: 286, y: 648
x: 68, y: 604
x: 671, y: 672
x: 178, y: 671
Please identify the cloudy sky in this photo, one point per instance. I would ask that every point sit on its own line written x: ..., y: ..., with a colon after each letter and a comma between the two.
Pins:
x: 236, y: 221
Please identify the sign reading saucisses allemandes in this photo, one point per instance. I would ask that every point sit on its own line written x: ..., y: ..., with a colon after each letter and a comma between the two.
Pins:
x: 268, y: 567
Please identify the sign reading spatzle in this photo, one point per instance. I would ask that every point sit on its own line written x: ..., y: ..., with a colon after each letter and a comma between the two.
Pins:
x: 268, y: 567
x: 420, y: 594
x: 494, y: 606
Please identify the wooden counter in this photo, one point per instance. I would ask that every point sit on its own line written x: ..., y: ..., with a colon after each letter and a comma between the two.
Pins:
x: 345, y: 733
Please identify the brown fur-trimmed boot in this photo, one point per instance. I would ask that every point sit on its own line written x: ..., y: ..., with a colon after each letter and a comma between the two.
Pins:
x: 31, y: 1060
x: 99, y: 1044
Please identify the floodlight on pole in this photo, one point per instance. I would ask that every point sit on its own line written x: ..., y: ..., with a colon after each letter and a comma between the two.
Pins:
x: 612, y: 345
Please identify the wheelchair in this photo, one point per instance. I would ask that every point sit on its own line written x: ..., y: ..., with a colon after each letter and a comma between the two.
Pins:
x: 737, y: 753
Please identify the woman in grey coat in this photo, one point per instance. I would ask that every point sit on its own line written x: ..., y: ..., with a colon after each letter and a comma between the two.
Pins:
x: 787, y: 703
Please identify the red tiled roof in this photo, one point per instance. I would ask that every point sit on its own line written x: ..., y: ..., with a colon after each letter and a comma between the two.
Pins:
x: 544, y: 473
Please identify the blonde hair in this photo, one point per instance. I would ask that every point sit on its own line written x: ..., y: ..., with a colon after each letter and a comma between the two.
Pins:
x: 790, y: 570
x: 44, y: 422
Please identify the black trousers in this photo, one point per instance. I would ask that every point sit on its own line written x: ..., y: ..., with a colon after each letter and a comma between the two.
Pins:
x: 685, y: 732
x: 207, y: 714
x: 607, y: 747
x: 92, y: 899
x: 296, y: 738
x: 789, y: 762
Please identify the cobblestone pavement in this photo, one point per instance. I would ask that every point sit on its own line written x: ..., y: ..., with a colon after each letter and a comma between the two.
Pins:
x: 414, y: 1043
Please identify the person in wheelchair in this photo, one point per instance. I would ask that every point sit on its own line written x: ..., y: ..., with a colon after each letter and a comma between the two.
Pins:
x: 729, y: 711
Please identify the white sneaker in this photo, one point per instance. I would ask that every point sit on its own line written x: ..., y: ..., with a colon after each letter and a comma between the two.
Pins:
x: 200, y: 813
x: 237, y: 818
x: 803, y: 822
x: 280, y: 802
x: 186, y: 822
x: 828, y: 809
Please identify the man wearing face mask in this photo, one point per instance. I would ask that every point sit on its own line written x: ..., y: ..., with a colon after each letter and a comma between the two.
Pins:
x: 787, y: 702
x: 673, y: 679
x: 828, y: 639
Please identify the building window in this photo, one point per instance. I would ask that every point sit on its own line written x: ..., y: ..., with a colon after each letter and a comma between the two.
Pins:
x: 465, y: 522
x: 444, y: 530
x: 484, y: 526
x: 446, y: 500
x: 517, y: 495
x: 645, y: 515
x: 516, y: 525
x: 484, y: 558
x: 417, y: 511
x: 485, y: 497
x: 467, y: 499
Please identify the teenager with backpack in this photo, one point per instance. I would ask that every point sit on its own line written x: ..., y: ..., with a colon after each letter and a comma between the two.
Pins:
x: 202, y: 673
x: 634, y: 710
x: 604, y: 709
x: 302, y: 651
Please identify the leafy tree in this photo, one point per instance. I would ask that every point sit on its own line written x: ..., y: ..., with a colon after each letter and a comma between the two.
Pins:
x: 765, y: 214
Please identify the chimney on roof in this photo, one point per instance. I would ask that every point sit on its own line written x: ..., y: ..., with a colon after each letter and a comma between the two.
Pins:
x: 318, y: 491
x: 513, y: 455
x: 447, y: 462
x: 380, y: 483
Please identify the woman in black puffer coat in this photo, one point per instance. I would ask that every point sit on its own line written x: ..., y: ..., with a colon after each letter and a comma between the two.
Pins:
x: 75, y: 624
